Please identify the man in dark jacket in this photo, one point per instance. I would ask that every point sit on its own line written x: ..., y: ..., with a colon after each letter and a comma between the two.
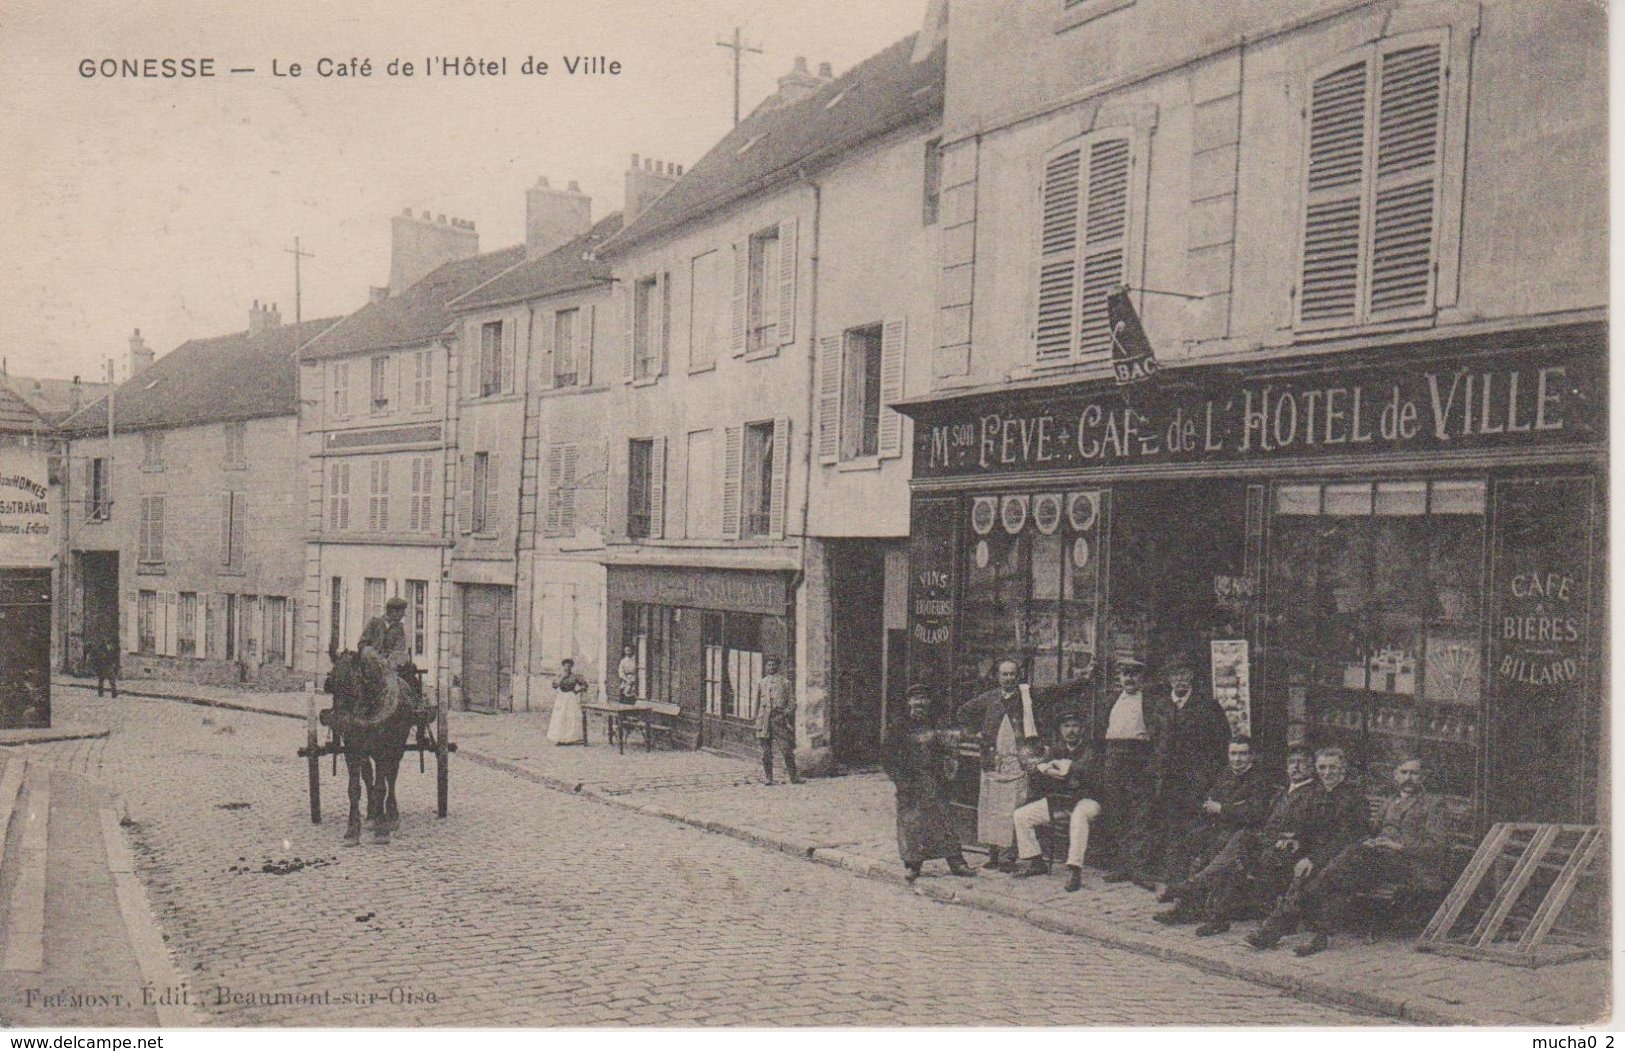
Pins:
x: 1410, y: 851
x: 1189, y: 756
x: 1067, y: 781
x: 103, y: 655
x: 1239, y: 801
x: 918, y: 756
x: 1340, y: 820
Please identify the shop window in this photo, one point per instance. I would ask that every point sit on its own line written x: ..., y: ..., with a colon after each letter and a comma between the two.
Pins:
x: 1376, y: 591
x: 649, y: 630
x: 732, y: 643
x: 417, y: 616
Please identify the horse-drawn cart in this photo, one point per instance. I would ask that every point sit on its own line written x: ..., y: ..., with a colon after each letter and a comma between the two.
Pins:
x: 373, y: 742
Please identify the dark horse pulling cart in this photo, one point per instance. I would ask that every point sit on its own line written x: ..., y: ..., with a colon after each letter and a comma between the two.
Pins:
x: 373, y: 733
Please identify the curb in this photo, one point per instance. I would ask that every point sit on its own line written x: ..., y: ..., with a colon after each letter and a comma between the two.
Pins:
x: 88, y: 734
x: 202, y: 702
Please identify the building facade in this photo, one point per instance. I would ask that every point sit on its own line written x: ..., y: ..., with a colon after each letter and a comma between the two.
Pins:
x: 1365, y: 489
x: 183, y: 521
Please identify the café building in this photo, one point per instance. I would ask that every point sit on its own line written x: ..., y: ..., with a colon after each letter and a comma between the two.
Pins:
x: 1398, y: 551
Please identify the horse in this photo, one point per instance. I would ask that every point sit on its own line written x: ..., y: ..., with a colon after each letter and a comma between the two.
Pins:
x: 372, y: 730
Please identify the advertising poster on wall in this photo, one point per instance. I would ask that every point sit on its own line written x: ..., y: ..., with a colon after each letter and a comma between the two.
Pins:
x: 25, y: 510
x: 1231, y: 686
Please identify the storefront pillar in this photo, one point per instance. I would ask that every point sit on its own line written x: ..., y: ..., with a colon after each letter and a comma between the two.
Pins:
x: 814, y: 660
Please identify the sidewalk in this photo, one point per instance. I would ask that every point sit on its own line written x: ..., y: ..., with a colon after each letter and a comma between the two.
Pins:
x: 849, y: 822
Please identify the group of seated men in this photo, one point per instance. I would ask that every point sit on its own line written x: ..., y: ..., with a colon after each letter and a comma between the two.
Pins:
x: 1221, y: 838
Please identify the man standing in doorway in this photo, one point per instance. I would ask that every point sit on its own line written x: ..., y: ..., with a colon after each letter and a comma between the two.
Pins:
x: 776, y: 719
x: 1129, y: 773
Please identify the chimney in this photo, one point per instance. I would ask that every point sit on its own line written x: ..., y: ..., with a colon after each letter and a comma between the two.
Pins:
x: 76, y: 396
x: 263, y: 319
x: 140, y: 355
x: 553, y: 217
x: 799, y: 82
x: 933, y: 31
x: 419, y: 245
x: 645, y: 183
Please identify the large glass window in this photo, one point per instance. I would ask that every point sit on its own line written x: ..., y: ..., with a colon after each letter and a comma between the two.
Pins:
x: 649, y: 630
x: 1376, y: 595
x: 732, y: 644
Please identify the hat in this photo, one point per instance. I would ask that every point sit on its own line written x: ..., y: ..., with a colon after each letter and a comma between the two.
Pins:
x: 919, y: 689
x: 395, y: 603
x: 1069, y: 715
x: 1178, y: 661
x: 1128, y: 660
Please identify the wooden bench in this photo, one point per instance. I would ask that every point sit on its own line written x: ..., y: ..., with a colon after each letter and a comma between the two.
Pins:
x: 662, y: 722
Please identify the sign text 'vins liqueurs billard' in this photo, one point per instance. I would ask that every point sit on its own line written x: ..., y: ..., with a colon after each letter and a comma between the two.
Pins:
x: 1519, y: 397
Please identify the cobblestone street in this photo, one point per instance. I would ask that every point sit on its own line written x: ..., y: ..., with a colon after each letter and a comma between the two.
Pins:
x: 532, y: 907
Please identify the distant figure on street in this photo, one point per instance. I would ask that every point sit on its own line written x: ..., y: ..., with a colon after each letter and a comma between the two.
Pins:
x: 776, y: 720
x: 627, y: 673
x: 567, y: 724
x: 103, y: 655
x: 919, y: 758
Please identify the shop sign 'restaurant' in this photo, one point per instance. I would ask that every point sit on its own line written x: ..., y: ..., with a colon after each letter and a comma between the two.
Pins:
x: 1516, y: 399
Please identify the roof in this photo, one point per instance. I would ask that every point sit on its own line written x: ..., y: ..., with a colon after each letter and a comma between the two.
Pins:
x: 565, y: 269
x: 53, y: 399
x: 16, y: 415
x: 235, y: 377
x: 877, y: 96
x: 416, y: 315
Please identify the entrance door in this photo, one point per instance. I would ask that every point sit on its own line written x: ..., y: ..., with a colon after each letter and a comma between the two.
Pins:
x: 487, y: 647
x: 98, y: 578
x: 857, y: 596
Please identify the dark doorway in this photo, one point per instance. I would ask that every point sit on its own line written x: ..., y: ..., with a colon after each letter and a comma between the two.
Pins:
x: 857, y: 580
x: 98, y: 578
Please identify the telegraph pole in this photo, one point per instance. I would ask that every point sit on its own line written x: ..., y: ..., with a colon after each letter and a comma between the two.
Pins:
x: 738, y: 47
x: 297, y: 289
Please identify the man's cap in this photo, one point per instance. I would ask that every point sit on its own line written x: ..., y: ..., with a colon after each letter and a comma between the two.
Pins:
x: 1071, y: 715
x: 395, y: 603
x: 1179, y: 661
x: 1128, y: 660
x: 919, y: 689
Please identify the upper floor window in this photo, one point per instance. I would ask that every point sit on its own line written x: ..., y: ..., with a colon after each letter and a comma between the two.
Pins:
x: 341, y: 389
x: 98, y: 501
x: 490, y: 361
x: 765, y: 290
x: 338, y: 497
x: 152, y: 450
x: 151, y: 539
x: 649, y: 327
x: 931, y: 198
x: 706, y: 310
x: 480, y: 503
x: 380, y: 384
x: 479, y: 485
x: 566, y: 325
x: 562, y: 462
x: 419, y: 516
x: 378, y: 496
x: 1375, y: 150
x: 233, y: 529
x: 235, y: 435
x: 755, y: 473
x: 1084, y: 245
x: 756, y: 480
x: 762, y: 323
x: 858, y: 373
x: 422, y: 379
x: 640, y: 459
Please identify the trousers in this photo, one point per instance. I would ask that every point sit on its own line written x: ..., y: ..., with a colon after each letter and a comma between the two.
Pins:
x: 787, y: 748
x: 1035, y: 815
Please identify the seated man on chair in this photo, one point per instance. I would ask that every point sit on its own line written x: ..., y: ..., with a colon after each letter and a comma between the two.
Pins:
x: 1410, y: 852
x: 1238, y: 802
x: 1067, y: 778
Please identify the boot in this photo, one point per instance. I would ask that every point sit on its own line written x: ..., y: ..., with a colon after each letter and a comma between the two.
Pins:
x: 911, y: 871
x: 1212, y: 927
x: 1074, y: 879
x: 1267, y: 936
x: 790, y: 766
x: 767, y: 769
x: 1030, y: 867
x: 957, y: 866
x: 1318, y: 943
x: 1175, y: 916
x: 992, y: 858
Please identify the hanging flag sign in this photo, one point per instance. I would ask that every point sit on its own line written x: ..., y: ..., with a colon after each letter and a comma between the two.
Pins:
x: 1132, y: 357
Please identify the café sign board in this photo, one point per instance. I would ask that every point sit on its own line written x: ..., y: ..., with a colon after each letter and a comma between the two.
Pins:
x: 1517, y: 398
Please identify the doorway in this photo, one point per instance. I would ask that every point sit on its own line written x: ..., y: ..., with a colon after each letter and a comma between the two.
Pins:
x: 98, y: 578
x: 857, y: 584
x: 487, y: 647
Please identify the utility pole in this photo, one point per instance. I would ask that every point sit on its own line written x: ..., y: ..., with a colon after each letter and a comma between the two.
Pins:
x: 738, y: 48
x: 297, y: 288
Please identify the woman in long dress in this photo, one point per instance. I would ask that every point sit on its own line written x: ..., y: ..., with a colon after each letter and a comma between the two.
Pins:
x: 917, y: 757
x: 568, y: 725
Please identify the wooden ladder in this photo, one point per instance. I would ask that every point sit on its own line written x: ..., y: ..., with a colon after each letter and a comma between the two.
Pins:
x: 1530, y: 849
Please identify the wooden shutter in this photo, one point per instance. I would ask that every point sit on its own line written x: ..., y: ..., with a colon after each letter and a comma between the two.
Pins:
x: 239, y: 527
x: 414, y: 503
x: 472, y: 348
x: 1105, y: 243
x: 132, y: 623
x: 542, y: 341
x: 586, y: 321
x: 1334, y: 202
x: 168, y: 632
x: 787, y: 282
x: 1409, y: 142
x: 1058, y: 256
x: 204, y: 622
x: 893, y: 353
x: 660, y: 325
x: 344, y: 497
x: 629, y: 300
x: 736, y: 337
x: 495, y: 520
x: 555, y: 482
x: 567, y: 489
x: 510, y: 352
x: 288, y: 622
x: 829, y: 399
x: 383, y: 495
x: 465, y: 494
x: 732, y: 451
x: 781, y: 477
x: 90, y: 490
x: 372, y: 496
x: 657, y: 488
x: 225, y: 522
x: 615, y: 490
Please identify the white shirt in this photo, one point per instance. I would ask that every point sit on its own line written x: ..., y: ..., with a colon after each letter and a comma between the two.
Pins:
x: 1127, y: 722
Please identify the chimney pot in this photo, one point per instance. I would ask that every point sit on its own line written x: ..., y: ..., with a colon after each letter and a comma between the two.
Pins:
x: 425, y: 215
x: 824, y: 71
x: 634, y: 160
x: 801, y: 63
x: 574, y: 187
x: 541, y: 180
x: 406, y: 212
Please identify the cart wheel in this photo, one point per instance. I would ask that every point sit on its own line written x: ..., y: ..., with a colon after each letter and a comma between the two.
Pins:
x: 314, y: 761
x: 442, y: 768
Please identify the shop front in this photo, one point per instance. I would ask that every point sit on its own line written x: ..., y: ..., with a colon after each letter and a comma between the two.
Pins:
x: 1399, y: 552
x: 700, y: 637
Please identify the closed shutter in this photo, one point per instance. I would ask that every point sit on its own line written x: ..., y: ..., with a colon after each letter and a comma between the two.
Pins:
x: 1329, y: 279
x: 473, y: 350
x: 736, y: 335
x: 1058, y: 262
x: 239, y: 528
x: 657, y: 488
x: 344, y: 497
x: 567, y: 489
x: 781, y: 477
x: 829, y: 399
x: 555, y: 482
x: 542, y: 327
x: 893, y: 352
x: 495, y: 519
x: 1408, y: 147
x: 373, y: 520
x: 132, y: 626
x: 288, y: 622
x: 660, y: 323
x: 465, y: 494
x: 225, y: 523
x: 414, y: 506
x: 205, y: 622
x: 510, y: 352
x: 383, y: 495
x: 587, y: 321
x: 158, y: 528
x: 90, y: 490
x: 732, y: 452
x: 168, y: 623
x: 787, y: 282
x: 629, y: 299
x: 615, y: 490
x: 1105, y: 244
